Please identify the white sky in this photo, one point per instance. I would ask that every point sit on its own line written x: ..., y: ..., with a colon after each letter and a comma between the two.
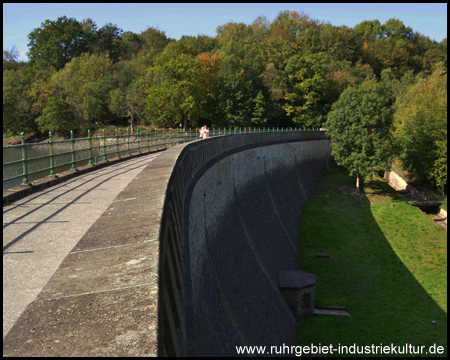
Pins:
x: 176, y: 19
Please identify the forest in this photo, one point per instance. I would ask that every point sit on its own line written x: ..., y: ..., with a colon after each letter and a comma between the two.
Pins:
x: 383, y: 79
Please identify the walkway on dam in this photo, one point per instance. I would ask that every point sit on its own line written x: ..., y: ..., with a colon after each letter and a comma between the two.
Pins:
x: 42, y: 228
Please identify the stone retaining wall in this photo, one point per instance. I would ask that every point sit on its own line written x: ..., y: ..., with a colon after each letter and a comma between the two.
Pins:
x: 242, y: 198
x: 184, y: 261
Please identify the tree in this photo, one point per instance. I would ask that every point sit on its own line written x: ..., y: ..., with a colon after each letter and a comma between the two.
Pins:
x: 420, y: 129
x: 278, y: 51
x: 395, y: 28
x: 308, y: 90
x: 55, y: 43
x: 242, y: 96
x: 392, y: 53
x: 128, y: 103
x: 109, y: 40
x: 10, y: 58
x: 274, y: 109
x: 22, y: 89
x: 85, y: 84
x: 154, y: 39
x: 234, y: 38
x: 341, y: 43
x: 289, y: 24
x: 358, y: 126
x: 200, y: 43
x: 369, y: 29
x: 16, y: 104
x: 177, y: 89
x: 132, y: 43
x: 56, y: 117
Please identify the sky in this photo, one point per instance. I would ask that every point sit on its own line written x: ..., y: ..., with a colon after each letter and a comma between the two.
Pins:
x: 178, y: 19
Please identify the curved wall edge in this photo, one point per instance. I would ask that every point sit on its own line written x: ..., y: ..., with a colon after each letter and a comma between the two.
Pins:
x: 202, y: 310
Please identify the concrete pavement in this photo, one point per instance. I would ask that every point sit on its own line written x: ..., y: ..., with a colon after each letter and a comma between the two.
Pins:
x: 41, y: 229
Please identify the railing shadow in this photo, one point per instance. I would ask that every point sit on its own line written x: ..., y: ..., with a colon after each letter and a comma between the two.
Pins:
x: 110, y: 173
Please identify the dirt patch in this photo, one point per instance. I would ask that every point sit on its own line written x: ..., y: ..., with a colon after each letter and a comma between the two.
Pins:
x: 356, y: 194
x: 7, y: 142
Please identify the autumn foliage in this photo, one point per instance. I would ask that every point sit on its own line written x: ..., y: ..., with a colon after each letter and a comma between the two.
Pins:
x: 288, y: 72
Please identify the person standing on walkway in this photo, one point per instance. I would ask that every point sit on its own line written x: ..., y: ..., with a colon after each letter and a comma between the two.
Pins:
x: 204, y: 132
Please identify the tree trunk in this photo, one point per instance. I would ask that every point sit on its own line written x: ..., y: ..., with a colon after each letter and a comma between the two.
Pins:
x: 357, y: 180
x: 131, y: 122
x: 185, y: 121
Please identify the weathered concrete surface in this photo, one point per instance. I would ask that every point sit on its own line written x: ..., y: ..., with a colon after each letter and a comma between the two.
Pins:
x: 397, y: 181
x: 41, y: 229
x: 243, y: 229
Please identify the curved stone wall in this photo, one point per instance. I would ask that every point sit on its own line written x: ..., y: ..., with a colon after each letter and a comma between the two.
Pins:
x: 243, y: 227
x: 238, y: 200
x: 184, y: 261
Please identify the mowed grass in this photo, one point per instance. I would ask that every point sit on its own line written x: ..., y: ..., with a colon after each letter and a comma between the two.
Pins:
x: 388, y: 265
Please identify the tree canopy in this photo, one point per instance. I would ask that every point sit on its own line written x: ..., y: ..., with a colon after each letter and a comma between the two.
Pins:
x: 292, y: 71
x: 420, y: 128
x: 358, y: 126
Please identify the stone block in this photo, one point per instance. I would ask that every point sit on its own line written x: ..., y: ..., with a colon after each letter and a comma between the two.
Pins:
x: 298, y: 288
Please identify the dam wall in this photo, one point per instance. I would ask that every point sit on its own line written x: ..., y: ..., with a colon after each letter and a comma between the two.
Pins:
x: 243, y: 216
x: 185, y: 259
x: 241, y: 198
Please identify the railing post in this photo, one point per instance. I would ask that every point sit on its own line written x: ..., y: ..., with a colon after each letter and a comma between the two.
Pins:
x: 164, y: 139
x: 156, y: 140
x: 90, y: 147
x: 170, y: 132
x: 50, y: 142
x: 104, y: 145
x: 72, y: 167
x: 117, y: 144
x: 138, y: 137
x: 24, y: 160
x: 148, y: 146
x: 128, y: 143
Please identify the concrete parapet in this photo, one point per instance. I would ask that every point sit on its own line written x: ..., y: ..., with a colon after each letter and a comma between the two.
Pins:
x: 185, y: 259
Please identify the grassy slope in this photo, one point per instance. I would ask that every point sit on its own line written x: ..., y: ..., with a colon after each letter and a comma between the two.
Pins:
x: 388, y: 265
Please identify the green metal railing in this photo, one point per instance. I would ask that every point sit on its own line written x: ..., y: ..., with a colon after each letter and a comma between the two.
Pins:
x: 26, y: 162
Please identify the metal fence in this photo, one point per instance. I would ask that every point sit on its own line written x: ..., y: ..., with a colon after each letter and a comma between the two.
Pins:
x: 26, y: 162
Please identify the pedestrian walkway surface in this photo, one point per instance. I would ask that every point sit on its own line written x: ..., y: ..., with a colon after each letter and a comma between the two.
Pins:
x: 41, y: 229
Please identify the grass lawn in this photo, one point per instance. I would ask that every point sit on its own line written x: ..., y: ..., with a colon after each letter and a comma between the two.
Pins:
x: 388, y: 265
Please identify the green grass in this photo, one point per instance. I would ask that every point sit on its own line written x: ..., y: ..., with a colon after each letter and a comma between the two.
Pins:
x: 388, y: 265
